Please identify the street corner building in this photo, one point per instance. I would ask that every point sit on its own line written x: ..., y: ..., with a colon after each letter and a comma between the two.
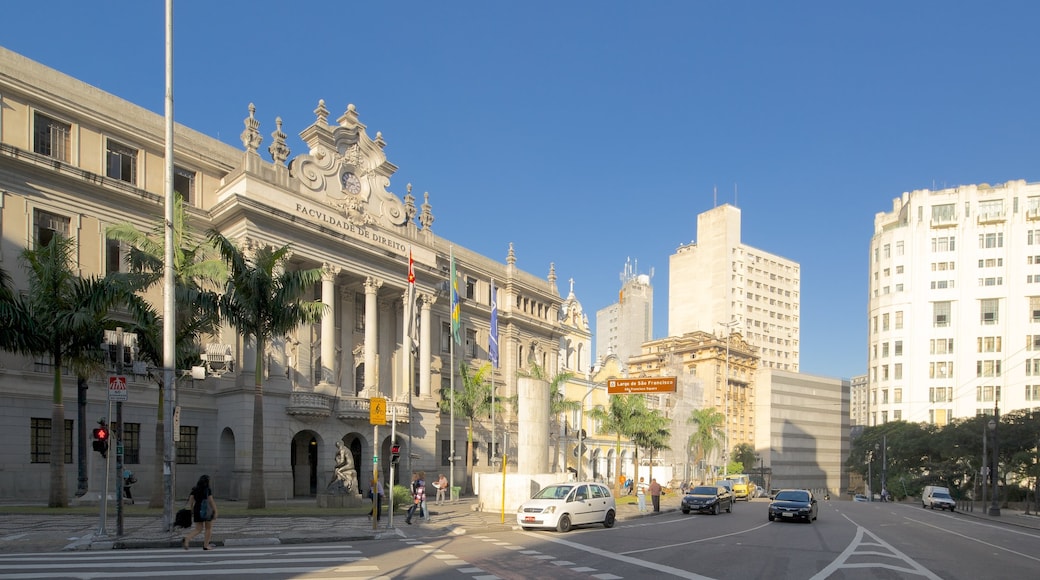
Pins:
x: 75, y: 161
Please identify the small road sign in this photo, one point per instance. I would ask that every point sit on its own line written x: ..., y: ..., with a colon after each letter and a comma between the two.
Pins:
x: 644, y: 385
x: 117, y: 388
x: 377, y: 411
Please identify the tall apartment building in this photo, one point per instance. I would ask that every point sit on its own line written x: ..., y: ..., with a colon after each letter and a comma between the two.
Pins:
x: 623, y: 327
x: 717, y: 280
x: 859, y: 391
x: 954, y: 307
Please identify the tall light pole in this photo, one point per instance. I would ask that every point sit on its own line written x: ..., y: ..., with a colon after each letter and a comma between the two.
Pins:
x: 725, y: 397
x: 994, y: 507
x: 581, y: 421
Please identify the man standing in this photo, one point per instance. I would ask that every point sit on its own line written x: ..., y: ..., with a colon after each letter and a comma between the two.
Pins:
x: 641, y: 489
x: 655, y: 494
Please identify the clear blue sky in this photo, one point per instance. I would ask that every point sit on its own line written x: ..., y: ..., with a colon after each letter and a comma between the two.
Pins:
x: 590, y: 132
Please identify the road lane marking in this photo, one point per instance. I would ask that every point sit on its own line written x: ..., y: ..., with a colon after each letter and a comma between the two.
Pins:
x: 623, y: 558
x: 737, y: 533
x: 887, y: 551
x: 991, y: 545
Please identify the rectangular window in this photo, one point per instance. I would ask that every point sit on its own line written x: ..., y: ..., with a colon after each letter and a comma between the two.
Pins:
x: 940, y: 314
x: 1034, y: 309
x: 122, y: 162
x: 1033, y: 342
x: 941, y: 346
x: 897, y: 348
x: 944, y: 213
x: 884, y: 350
x: 887, y: 250
x: 446, y: 337
x: 899, y: 249
x: 989, y: 311
x: 897, y: 372
x: 472, y: 349
x: 113, y: 256
x: 991, y: 240
x: 51, y: 137
x: 359, y: 312
x: 940, y: 370
x: 899, y: 319
x: 987, y: 368
x: 1033, y: 392
x: 471, y: 288
x: 184, y: 184
x: 884, y: 321
x: 188, y: 446
x: 131, y: 443
x: 46, y: 225
x: 40, y: 440
x: 991, y: 208
x: 1033, y: 367
x: 989, y: 344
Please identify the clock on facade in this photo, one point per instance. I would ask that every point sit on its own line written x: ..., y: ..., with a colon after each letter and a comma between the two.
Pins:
x: 350, y: 182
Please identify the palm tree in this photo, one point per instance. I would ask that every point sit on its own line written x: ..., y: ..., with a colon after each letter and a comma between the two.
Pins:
x: 620, y: 419
x: 558, y: 403
x: 652, y: 434
x: 197, y: 270
x: 63, y: 316
x: 262, y: 299
x: 473, y: 400
x: 709, y: 434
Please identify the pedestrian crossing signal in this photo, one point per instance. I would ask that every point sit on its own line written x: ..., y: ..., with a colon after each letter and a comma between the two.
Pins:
x: 101, y: 440
x: 395, y: 454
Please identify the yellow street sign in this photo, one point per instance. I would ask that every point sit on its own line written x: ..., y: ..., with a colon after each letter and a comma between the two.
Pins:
x: 377, y: 411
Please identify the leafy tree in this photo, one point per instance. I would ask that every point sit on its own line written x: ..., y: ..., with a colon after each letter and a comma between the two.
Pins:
x: 651, y: 433
x: 263, y: 299
x: 197, y: 272
x: 710, y: 432
x: 743, y: 455
x: 622, y: 418
x: 61, y: 316
x: 471, y: 401
x: 558, y: 403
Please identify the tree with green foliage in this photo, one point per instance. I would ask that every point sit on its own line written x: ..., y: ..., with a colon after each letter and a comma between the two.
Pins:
x: 197, y: 272
x: 651, y: 433
x: 62, y: 316
x: 558, y: 403
x: 263, y: 299
x: 622, y: 419
x: 471, y: 401
x: 741, y: 457
x: 709, y: 435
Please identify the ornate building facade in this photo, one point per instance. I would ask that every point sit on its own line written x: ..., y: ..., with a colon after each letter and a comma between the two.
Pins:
x: 75, y: 160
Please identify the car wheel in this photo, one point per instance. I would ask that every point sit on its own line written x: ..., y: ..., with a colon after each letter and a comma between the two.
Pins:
x: 564, y: 525
x: 715, y: 510
x: 608, y: 522
x: 771, y: 517
x: 685, y: 511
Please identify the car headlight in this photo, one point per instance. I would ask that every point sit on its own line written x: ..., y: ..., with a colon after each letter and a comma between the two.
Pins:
x: 549, y: 510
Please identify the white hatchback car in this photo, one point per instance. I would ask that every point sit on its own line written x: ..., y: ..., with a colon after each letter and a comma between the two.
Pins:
x: 562, y: 506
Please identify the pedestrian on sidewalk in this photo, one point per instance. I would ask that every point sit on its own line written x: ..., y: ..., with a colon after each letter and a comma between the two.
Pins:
x: 418, y: 497
x: 655, y: 494
x: 128, y: 480
x: 422, y: 505
x: 376, y: 495
x: 641, y: 489
x: 442, y: 488
x: 203, y: 511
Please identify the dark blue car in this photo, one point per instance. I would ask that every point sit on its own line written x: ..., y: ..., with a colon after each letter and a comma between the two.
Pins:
x: 793, y: 504
x: 707, y: 499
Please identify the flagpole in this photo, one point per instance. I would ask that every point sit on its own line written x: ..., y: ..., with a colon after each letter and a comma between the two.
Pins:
x: 406, y: 343
x: 451, y: 340
x: 494, y: 364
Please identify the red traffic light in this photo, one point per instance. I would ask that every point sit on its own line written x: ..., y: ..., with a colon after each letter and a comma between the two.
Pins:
x: 101, y: 434
x: 395, y: 449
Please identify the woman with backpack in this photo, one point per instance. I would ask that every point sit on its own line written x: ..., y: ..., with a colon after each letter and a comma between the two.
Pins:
x: 203, y: 511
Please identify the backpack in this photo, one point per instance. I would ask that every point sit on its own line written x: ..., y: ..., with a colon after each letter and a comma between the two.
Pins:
x: 204, y: 510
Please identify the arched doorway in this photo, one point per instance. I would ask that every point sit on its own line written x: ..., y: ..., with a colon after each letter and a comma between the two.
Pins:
x: 303, y: 454
x: 225, y: 483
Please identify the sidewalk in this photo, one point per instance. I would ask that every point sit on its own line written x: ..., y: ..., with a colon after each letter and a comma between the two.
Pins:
x: 50, y: 533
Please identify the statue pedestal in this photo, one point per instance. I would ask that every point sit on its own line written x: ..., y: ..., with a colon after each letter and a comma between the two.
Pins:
x: 340, y: 500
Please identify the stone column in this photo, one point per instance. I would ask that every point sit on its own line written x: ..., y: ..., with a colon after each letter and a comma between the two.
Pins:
x: 532, y: 442
x: 371, y: 320
x: 328, y: 327
x: 425, y: 345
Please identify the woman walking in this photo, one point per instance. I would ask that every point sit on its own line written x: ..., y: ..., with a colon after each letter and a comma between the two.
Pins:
x: 203, y: 511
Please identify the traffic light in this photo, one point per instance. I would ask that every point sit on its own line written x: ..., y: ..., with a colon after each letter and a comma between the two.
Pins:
x: 101, y: 434
x: 395, y: 453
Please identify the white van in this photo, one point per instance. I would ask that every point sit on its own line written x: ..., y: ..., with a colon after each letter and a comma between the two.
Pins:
x: 935, y: 496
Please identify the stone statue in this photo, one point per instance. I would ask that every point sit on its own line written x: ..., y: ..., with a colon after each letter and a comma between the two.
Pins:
x: 344, y: 473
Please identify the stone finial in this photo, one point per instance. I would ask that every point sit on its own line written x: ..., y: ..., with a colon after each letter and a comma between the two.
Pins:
x: 349, y: 118
x: 321, y: 113
x: 379, y: 140
x: 426, y: 219
x: 409, y: 204
x: 511, y: 257
x: 279, y: 150
x: 251, y: 137
x: 552, y: 273
x: 571, y: 280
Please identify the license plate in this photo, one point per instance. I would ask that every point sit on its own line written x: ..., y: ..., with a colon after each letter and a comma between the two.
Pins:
x: 787, y: 514
x: 528, y: 518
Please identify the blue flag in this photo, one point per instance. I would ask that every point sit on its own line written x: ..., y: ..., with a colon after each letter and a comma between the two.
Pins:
x: 493, y: 339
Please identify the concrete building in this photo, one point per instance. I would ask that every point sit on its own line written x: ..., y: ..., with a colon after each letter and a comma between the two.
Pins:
x: 75, y: 160
x: 807, y: 441
x: 718, y: 279
x: 954, y: 304
x: 859, y: 391
x: 623, y: 327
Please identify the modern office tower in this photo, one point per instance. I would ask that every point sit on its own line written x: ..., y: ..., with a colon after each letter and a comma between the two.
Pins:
x: 954, y: 304
x: 623, y: 327
x: 859, y: 390
x: 717, y: 282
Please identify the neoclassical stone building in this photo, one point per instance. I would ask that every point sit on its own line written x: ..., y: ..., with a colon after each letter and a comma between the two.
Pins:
x: 75, y: 160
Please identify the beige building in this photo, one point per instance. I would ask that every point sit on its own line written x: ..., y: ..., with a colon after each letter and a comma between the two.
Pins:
x: 75, y: 160
x: 705, y: 377
x: 623, y: 327
x: 718, y: 280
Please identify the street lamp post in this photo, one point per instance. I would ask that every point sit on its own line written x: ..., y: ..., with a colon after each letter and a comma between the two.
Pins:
x: 725, y: 397
x: 994, y: 508
x: 581, y: 422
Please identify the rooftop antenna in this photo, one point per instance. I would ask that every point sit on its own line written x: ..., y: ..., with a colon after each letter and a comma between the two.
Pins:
x: 715, y: 196
x: 735, y: 194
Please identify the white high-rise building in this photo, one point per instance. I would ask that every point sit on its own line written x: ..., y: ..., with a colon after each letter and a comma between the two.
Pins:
x: 954, y: 307
x: 623, y: 327
x: 718, y: 281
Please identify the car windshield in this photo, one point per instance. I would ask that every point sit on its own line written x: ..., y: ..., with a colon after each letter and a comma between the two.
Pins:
x: 942, y: 495
x: 704, y: 490
x: 792, y: 496
x: 554, y: 492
